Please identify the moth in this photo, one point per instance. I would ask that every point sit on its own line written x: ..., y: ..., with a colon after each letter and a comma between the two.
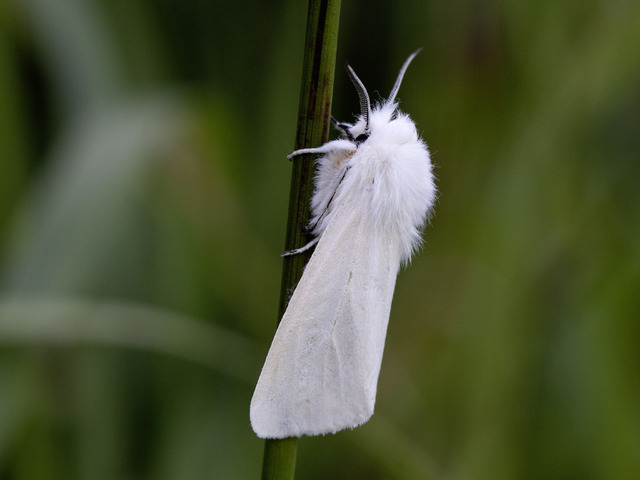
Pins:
x: 374, y: 192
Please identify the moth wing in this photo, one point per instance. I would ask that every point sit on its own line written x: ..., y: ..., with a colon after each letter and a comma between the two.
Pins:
x: 321, y: 372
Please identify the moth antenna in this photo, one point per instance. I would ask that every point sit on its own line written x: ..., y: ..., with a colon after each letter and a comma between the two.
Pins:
x: 365, y: 103
x: 396, y: 86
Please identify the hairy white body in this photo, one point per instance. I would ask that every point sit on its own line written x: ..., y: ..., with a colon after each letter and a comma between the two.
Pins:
x: 374, y: 191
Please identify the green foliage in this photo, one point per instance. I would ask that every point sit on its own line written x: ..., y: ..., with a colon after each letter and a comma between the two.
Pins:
x: 143, y: 199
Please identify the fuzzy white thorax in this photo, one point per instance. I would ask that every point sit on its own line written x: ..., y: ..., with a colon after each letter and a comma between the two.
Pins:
x: 389, y: 176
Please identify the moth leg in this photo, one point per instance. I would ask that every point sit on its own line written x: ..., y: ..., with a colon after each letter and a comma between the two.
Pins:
x: 333, y: 146
x: 289, y: 253
x: 343, y: 128
x: 312, y: 226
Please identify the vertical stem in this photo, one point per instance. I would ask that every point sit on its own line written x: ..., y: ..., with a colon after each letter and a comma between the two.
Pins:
x: 279, y: 462
x: 313, y: 130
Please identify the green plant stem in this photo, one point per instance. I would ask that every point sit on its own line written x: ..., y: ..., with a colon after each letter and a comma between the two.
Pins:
x: 279, y: 460
x: 313, y: 130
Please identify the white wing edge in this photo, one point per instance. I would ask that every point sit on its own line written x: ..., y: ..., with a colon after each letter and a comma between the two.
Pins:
x: 321, y: 372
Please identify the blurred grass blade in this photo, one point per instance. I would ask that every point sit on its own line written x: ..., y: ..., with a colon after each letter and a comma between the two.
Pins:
x: 76, y: 45
x: 67, y: 322
x: 78, y: 222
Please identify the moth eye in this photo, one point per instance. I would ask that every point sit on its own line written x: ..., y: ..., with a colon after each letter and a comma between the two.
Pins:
x: 361, y: 138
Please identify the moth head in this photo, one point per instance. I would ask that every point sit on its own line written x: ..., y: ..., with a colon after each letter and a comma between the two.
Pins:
x: 354, y: 133
x: 360, y: 131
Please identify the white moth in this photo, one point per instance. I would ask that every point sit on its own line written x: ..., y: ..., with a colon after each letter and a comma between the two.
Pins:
x: 374, y: 190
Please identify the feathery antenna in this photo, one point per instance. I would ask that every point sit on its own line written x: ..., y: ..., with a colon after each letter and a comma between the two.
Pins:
x: 365, y: 103
x: 396, y: 86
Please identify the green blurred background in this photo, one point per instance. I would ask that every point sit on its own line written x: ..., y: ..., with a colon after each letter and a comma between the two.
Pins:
x: 143, y: 198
